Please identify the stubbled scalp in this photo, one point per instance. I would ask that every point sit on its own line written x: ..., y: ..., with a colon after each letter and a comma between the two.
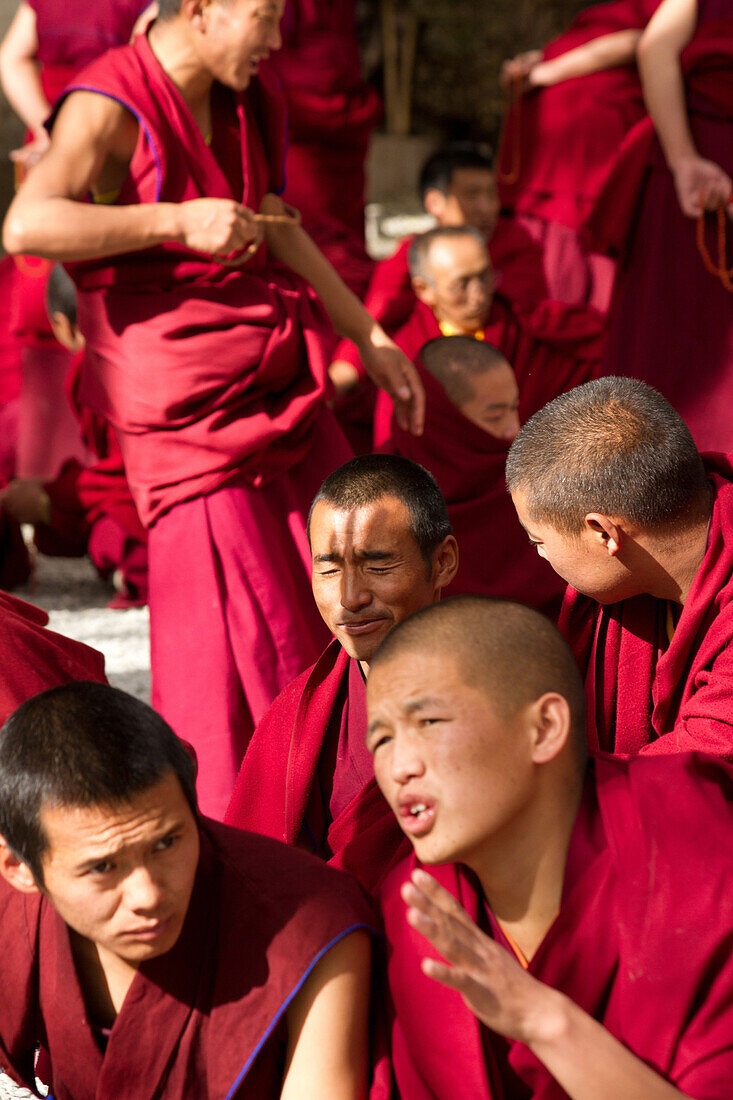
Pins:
x: 455, y: 360
x: 510, y: 652
x: 613, y: 446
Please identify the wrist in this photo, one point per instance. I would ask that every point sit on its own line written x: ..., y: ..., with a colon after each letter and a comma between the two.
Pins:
x: 548, y: 1019
x: 540, y: 75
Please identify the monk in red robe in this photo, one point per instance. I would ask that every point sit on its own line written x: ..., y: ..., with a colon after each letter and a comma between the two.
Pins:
x: 663, y: 208
x: 610, y: 488
x: 471, y: 419
x: 205, y: 352
x: 382, y: 548
x: 332, y: 112
x: 571, y: 938
x: 572, y: 104
x: 457, y: 187
x: 144, y: 944
x: 552, y: 348
x: 33, y: 658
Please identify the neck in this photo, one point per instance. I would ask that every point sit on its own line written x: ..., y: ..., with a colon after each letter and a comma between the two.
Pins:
x: 675, y: 562
x: 104, y: 979
x: 172, y: 43
x: 521, y: 871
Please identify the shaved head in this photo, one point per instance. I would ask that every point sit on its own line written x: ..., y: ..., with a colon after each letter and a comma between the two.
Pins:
x: 420, y: 250
x: 510, y: 652
x: 455, y: 360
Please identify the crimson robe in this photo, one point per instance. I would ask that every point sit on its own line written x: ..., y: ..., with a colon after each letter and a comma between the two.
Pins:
x: 214, y: 380
x: 331, y: 115
x: 671, y: 321
x: 468, y: 463
x: 205, y: 1019
x: 645, y: 693
x: 641, y: 942
x: 33, y: 658
x: 277, y: 790
x: 551, y: 349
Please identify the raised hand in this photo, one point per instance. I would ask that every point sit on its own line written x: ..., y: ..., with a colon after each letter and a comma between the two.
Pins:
x: 217, y: 227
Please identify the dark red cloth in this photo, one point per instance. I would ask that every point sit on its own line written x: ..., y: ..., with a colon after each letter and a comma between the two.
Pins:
x: 10, y: 348
x: 207, y: 1017
x: 73, y: 34
x: 206, y: 373
x: 33, y: 658
x: 670, y: 320
x: 15, y: 564
x: 331, y: 115
x: 280, y: 770
x: 569, y: 132
x: 496, y: 558
x: 552, y: 349
x: 646, y: 694
x: 641, y: 943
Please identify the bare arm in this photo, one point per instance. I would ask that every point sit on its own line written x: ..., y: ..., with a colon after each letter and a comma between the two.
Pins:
x: 584, y: 1058
x: 21, y: 80
x: 382, y: 359
x: 606, y: 52
x: 700, y: 183
x: 328, y: 1027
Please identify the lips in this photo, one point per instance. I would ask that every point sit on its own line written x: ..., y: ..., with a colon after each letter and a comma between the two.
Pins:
x: 361, y: 626
x: 416, y: 815
x: 150, y: 931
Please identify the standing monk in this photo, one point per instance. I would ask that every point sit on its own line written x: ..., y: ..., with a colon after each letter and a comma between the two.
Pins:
x: 610, y: 488
x: 573, y: 941
x: 382, y: 548
x: 671, y: 321
x: 205, y: 352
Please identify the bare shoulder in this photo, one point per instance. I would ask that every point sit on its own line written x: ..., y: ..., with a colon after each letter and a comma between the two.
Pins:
x: 96, y: 120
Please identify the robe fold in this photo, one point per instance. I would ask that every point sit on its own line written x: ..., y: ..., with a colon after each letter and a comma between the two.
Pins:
x: 641, y: 943
x: 33, y: 658
x: 552, y: 349
x: 645, y: 693
x: 214, y: 380
x: 468, y: 465
x: 207, y: 1018
x: 276, y: 792
x: 670, y: 322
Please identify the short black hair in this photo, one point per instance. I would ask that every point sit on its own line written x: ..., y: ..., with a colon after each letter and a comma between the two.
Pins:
x: 61, y: 294
x: 82, y: 744
x: 613, y: 446
x: 368, y: 478
x: 436, y: 173
x: 418, y: 252
x: 454, y: 360
x: 509, y: 651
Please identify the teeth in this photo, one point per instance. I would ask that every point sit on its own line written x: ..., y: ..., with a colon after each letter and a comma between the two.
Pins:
x: 418, y: 808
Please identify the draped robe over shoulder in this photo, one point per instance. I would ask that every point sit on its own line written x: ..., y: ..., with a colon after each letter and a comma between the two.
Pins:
x: 645, y: 693
x: 641, y: 942
x: 277, y: 794
x: 207, y: 1018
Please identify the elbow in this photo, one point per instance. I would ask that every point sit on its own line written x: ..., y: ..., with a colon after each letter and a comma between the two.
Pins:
x: 15, y: 237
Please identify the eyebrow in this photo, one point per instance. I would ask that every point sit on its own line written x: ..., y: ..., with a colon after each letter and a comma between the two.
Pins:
x: 365, y: 555
x: 105, y: 857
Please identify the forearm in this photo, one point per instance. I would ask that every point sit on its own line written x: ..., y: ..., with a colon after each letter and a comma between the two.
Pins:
x: 66, y: 230
x: 586, y: 1060
x: 664, y: 94
x: 607, y: 52
x: 22, y: 86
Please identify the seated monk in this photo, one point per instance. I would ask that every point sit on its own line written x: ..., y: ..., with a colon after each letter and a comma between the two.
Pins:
x: 552, y: 348
x: 33, y: 658
x: 382, y: 548
x: 457, y: 187
x: 610, y: 488
x: 86, y: 508
x: 149, y: 951
x: 470, y: 421
x: 574, y: 939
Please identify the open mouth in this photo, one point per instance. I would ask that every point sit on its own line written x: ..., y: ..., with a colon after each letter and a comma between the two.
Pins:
x: 417, y: 817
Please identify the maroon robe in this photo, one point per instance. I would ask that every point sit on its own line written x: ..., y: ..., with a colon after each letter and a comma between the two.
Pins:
x: 307, y: 777
x: 33, y: 659
x: 671, y: 321
x: 214, y: 380
x: 641, y: 943
x: 468, y: 463
x: 205, y: 1019
x: 645, y: 693
x: 331, y: 115
x: 552, y: 349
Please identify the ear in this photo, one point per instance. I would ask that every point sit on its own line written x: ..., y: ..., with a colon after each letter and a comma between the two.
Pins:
x: 445, y: 563
x: 14, y: 871
x: 605, y: 532
x: 434, y: 202
x: 424, y: 290
x: 195, y: 12
x: 550, y: 718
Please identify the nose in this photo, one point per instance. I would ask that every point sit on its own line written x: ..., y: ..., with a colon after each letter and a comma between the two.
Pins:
x: 275, y: 40
x: 354, y: 596
x: 511, y: 431
x: 143, y: 892
x: 406, y: 759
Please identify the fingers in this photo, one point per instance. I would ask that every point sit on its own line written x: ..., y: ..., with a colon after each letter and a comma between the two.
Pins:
x: 409, y: 400
x: 443, y: 922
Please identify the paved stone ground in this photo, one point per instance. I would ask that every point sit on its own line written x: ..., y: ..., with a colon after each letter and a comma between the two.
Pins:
x: 76, y: 601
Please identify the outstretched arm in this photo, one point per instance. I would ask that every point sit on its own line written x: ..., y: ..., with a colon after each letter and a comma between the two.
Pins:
x: 606, y: 52
x: 21, y: 81
x: 700, y: 183
x: 584, y: 1058
x: 328, y: 1042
